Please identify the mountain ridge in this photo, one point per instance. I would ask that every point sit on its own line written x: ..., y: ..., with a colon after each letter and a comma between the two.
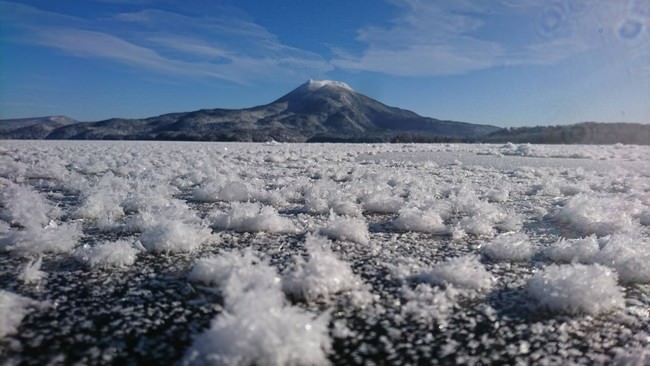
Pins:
x: 34, y: 127
x: 317, y: 109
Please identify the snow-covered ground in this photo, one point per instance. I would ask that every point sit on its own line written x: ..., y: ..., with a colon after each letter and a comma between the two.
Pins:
x: 310, y: 254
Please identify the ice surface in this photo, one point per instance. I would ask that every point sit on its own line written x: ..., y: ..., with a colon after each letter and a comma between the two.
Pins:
x: 324, y: 253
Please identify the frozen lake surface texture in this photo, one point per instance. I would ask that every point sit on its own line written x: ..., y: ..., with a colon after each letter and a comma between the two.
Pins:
x: 309, y: 254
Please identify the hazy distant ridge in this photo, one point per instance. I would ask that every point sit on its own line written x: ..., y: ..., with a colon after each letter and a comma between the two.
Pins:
x: 32, y: 128
x: 581, y: 133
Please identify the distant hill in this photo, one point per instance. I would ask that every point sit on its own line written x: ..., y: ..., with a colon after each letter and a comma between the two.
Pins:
x: 581, y: 133
x: 32, y: 128
x: 315, y: 111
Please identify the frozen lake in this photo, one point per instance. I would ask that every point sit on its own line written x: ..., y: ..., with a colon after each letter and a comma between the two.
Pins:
x: 228, y: 253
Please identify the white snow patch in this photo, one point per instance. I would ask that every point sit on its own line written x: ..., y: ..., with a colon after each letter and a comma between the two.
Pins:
x: 596, y: 215
x: 214, y: 190
x: 382, y: 203
x: 415, y: 219
x: 252, y: 217
x: 257, y: 326
x: 465, y: 273
x: 31, y: 272
x: 513, y: 247
x: 255, y: 334
x: 53, y: 238
x: 347, y: 229
x: 13, y: 308
x: 498, y: 195
x: 628, y: 254
x: 120, y: 253
x: 174, y: 236
x: 21, y: 205
x: 102, y: 203
x: 236, y: 272
x: 576, y: 288
x: 517, y: 150
x: 580, y: 250
x: 322, y: 275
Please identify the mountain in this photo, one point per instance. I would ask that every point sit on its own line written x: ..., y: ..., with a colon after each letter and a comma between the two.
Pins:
x: 580, y: 133
x: 32, y: 128
x: 315, y: 111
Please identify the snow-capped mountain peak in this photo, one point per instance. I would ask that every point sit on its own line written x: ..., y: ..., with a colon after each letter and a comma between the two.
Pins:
x: 317, y: 84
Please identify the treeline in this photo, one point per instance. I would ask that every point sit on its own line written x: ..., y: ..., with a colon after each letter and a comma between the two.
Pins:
x: 581, y: 133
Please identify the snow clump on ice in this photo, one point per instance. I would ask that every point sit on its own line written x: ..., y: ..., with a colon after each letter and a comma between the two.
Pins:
x: 252, y: 217
x: 31, y: 272
x: 53, y: 238
x: 628, y: 254
x: 465, y: 272
x: 35, y: 230
x: 174, y: 236
x: 347, y: 229
x: 102, y: 203
x: 576, y: 289
x: 13, y: 308
x: 580, y: 250
x: 258, y: 326
x: 21, y: 205
x: 381, y: 203
x: 213, y: 191
x: 514, y: 247
x: 320, y: 276
x: 425, y: 221
x: 120, y: 253
x: 593, y: 215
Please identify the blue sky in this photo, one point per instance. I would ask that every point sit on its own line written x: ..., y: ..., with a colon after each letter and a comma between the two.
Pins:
x: 503, y: 62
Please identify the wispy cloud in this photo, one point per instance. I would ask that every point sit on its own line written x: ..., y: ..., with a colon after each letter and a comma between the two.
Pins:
x: 165, y: 42
x: 101, y: 45
x: 456, y: 37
